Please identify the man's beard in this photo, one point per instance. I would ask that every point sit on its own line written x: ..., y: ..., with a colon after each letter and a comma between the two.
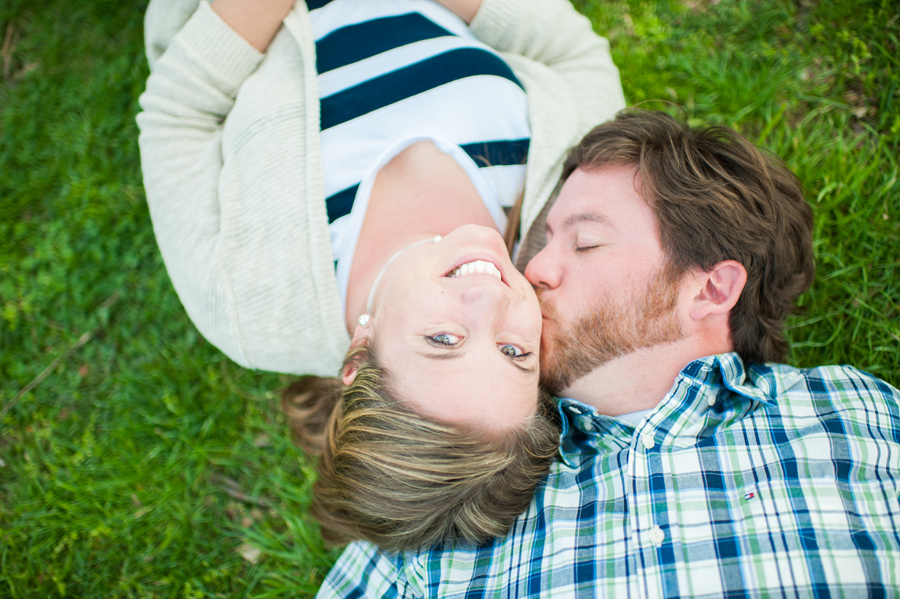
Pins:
x: 617, y: 326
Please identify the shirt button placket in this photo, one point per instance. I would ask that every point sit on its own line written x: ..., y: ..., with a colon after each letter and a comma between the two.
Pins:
x: 656, y: 536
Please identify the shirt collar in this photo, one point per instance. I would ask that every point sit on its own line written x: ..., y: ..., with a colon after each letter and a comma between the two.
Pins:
x: 710, y: 393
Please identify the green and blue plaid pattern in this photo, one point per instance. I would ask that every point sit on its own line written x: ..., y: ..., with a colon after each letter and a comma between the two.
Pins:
x: 759, y: 481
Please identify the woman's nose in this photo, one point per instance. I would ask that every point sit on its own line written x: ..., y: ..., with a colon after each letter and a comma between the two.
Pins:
x: 489, y: 292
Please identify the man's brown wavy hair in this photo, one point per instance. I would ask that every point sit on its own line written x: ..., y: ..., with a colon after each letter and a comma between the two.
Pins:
x: 716, y: 197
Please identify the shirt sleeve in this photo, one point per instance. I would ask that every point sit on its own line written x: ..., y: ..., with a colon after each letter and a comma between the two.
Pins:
x: 365, y: 571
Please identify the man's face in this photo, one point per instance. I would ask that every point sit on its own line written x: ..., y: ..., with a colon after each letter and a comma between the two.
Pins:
x: 602, y: 278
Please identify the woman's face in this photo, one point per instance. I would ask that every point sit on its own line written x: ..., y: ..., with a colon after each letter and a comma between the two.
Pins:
x: 460, y: 339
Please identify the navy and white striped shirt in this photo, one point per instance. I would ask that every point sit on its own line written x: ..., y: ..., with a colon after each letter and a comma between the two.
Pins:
x: 393, y: 72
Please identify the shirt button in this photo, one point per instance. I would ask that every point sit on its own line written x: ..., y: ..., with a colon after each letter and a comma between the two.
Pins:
x: 587, y: 425
x: 711, y: 401
x: 657, y: 536
x: 647, y: 441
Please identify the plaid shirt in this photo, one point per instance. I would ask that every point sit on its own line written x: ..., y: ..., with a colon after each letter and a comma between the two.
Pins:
x: 759, y: 481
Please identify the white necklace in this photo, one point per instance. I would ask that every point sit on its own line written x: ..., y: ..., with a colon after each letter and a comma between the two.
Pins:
x: 384, y: 268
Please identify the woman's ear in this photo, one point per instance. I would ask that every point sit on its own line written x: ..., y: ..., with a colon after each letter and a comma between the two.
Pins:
x: 719, y: 289
x: 349, y: 373
x: 360, y: 337
x: 359, y: 333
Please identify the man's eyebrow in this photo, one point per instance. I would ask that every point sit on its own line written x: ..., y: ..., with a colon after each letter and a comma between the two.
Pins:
x: 591, y: 217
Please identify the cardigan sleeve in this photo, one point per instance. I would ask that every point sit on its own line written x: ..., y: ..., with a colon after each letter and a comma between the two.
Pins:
x: 189, y: 94
x: 232, y: 176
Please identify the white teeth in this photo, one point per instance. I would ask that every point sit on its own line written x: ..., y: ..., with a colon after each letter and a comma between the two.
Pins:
x: 476, y: 267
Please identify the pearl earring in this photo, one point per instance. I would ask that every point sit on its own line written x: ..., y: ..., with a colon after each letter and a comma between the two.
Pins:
x: 364, y: 320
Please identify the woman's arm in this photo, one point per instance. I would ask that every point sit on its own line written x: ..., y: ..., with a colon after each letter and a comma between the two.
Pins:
x: 464, y: 9
x: 257, y: 21
x: 229, y: 152
x: 189, y: 93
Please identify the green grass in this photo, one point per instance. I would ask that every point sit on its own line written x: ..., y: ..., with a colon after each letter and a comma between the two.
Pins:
x: 145, y: 464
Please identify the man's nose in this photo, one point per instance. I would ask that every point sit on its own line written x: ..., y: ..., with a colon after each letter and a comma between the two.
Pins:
x: 543, y: 270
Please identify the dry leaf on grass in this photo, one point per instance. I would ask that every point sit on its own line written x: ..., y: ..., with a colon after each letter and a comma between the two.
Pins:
x: 249, y: 553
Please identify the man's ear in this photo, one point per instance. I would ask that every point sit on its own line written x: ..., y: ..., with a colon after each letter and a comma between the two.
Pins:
x: 348, y: 374
x: 719, y: 289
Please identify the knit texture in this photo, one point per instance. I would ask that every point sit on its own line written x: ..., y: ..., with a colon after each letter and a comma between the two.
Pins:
x: 232, y: 167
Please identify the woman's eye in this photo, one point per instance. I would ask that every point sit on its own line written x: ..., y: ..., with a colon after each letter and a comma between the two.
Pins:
x: 513, y: 352
x: 443, y: 340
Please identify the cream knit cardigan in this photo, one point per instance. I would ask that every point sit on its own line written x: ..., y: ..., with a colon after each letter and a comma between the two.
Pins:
x: 233, y: 173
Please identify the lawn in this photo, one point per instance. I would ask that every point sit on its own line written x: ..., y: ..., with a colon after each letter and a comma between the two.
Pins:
x: 137, y: 461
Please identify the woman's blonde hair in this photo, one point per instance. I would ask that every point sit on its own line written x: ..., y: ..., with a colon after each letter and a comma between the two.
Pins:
x: 401, y: 480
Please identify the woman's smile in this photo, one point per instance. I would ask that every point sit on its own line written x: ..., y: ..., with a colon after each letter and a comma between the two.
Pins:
x: 476, y: 267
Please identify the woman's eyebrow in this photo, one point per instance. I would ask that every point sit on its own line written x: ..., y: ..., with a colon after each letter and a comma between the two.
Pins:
x: 445, y: 355
x: 451, y: 355
x: 528, y: 369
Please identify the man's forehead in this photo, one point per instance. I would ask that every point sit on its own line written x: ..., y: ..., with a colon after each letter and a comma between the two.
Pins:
x: 592, y: 195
